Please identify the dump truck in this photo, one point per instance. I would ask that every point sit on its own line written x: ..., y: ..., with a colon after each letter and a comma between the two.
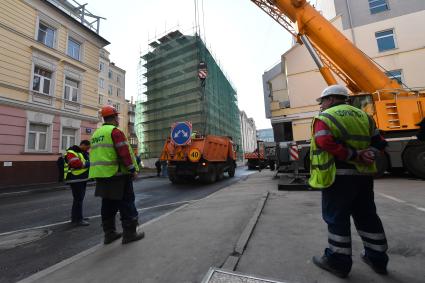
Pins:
x: 204, y: 158
x: 264, y: 155
x: 396, y: 109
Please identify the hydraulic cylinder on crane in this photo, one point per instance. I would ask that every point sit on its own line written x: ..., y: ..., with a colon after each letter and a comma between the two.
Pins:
x: 324, y: 36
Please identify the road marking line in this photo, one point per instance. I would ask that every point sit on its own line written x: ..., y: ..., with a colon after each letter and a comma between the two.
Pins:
x: 392, y: 198
x: 93, y: 217
x: 402, y: 201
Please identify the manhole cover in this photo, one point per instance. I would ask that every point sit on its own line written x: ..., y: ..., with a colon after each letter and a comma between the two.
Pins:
x: 216, y: 275
x: 11, y: 241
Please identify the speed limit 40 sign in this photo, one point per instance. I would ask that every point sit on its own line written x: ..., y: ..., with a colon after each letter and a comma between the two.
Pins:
x: 194, y: 155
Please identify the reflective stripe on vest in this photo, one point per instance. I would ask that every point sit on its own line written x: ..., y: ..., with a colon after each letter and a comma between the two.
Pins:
x: 104, y: 160
x: 350, y: 126
x: 75, y: 172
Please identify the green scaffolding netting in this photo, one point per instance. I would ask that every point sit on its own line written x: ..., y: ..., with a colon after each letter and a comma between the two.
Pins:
x: 171, y: 92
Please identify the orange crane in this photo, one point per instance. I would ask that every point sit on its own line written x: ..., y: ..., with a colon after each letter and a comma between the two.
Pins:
x: 396, y: 110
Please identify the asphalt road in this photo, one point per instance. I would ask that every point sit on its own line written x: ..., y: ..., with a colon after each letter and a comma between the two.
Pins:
x: 47, y: 213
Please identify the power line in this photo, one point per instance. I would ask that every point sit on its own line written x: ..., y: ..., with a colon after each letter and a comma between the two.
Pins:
x: 203, y: 20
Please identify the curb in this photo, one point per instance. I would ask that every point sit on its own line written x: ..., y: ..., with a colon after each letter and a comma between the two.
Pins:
x: 233, y: 259
x: 59, y: 187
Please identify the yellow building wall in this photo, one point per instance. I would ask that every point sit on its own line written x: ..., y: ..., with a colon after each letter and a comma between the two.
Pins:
x: 18, y: 22
x: 301, y: 129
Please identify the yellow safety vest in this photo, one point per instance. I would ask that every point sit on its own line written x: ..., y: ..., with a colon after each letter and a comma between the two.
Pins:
x: 104, y: 160
x: 76, y: 172
x: 348, y: 125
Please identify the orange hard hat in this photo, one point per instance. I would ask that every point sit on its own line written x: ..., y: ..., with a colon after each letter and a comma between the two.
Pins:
x: 108, y: 110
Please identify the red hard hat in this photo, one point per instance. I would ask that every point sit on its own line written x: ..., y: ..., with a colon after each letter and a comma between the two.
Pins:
x: 108, y: 110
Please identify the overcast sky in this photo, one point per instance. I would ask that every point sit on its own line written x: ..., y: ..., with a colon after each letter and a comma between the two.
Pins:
x: 244, y: 39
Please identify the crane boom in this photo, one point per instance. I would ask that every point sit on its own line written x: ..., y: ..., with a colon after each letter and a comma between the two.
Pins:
x: 394, y: 108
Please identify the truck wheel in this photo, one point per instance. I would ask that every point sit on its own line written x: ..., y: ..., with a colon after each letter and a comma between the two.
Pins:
x: 232, y: 171
x: 220, y: 175
x: 272, y: 166
x: 209, y: 177
x: 414, y: 160
x: 175, y: 179
x: 382, y: 164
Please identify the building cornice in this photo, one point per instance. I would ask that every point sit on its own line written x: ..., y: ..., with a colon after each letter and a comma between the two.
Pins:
x: 40, y: 108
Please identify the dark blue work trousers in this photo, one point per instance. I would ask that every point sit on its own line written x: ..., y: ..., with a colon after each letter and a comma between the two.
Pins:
x: 352, y: 196
x: 125, y: 206
x: 78, y: 193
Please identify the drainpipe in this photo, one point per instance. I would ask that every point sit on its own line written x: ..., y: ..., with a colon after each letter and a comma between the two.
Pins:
x: 350, y: 19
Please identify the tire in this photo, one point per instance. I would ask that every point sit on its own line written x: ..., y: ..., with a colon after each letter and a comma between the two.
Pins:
x: 414, y: 160
x: 175, y: 179
x: 209, y: 177
x: 307, y: 162
x: 220, y: 175
x: 232, y: 171
x: 272, y: 166
x: 382, y: 165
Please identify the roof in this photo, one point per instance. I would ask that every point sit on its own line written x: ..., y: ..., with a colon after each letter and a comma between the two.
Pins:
x: 100, y: 38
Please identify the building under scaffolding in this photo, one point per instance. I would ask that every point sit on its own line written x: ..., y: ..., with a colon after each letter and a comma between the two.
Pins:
x: 170, y: 91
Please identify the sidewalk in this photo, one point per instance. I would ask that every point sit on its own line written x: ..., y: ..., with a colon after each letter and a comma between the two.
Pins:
x: 183, y: 245
x: 39, y: 188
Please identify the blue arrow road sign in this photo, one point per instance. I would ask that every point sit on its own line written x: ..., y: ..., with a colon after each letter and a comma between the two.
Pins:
x: 180, y: 133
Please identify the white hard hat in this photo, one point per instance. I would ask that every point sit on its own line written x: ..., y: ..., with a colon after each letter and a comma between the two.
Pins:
x: 333, y: 90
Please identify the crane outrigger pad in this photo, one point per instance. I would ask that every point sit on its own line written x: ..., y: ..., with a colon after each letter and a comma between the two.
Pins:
x: 216, y: 275
x: 292, y: 182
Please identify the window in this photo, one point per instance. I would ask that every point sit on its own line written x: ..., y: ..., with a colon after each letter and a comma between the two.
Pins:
x: 110, y: 74
x: 37, y: 137
x: 101, y: 83
x: 71, y: 90
x: 385, y: 40
x: 396, y: 75
x: 68, y: 138
x: 46, y: 35
x: 116, y: 106
x: 42, y: 80
x: 377, y: 6
x: 101, y: 66
x: 100, y: 99
x: 110, y: 89
x: 118, y: 79
x: 118, y: 92
x: 109, y: 102
x: 74, y: 48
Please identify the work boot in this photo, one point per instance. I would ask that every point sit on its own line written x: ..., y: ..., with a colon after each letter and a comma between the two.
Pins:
x: 80, y: 223
x: 378, y: 269
x: 130, y: 233
x: 323, y: 263
x: 110, y: 231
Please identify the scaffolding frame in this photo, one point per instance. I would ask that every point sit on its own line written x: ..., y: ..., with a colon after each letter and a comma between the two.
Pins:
x: 169, y: 91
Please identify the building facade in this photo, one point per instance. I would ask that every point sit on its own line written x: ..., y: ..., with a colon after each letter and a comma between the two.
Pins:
x: 172, y: 92
x: 49, y: 65
x: 131, y: 129
x: 112, y: 87
x: 248, y: 133
x: 386, y: 30
x: 265, y: 135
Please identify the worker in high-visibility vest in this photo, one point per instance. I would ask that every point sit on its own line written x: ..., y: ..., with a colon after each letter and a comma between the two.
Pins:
x: 343, y: 152
x: 114, y: 167
x: 76, y: 174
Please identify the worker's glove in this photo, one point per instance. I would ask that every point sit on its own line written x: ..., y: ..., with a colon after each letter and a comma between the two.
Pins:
x: 134, y: 175
x: 365, y: 156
